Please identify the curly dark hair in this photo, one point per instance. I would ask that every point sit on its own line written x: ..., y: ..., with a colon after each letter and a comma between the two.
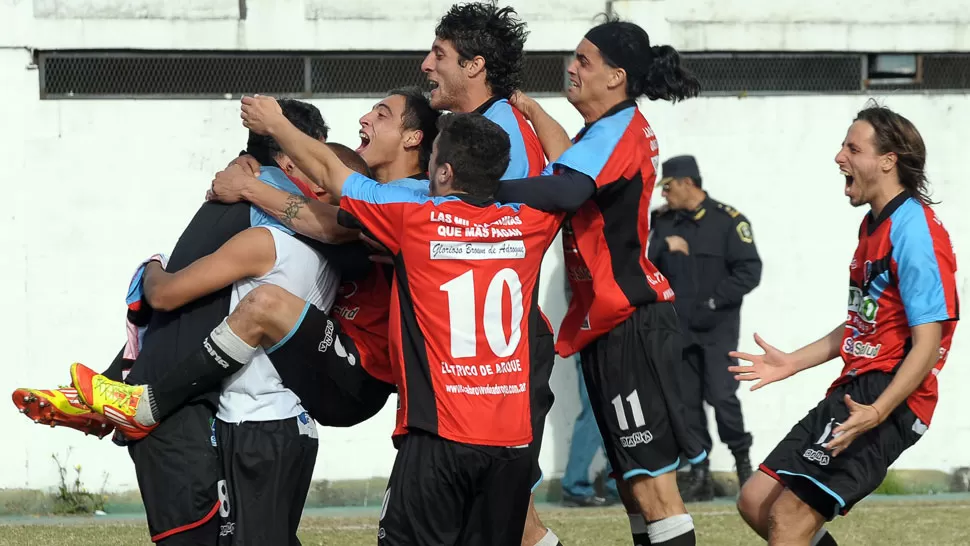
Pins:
x: 477, y: 150
x: 496, y: 34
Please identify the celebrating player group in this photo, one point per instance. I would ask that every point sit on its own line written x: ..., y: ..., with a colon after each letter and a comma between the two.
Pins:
x: 316, y: 280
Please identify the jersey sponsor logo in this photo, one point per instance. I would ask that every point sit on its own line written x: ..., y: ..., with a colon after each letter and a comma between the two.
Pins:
x: 744, y: 232
x: 227, y: 529
x: 859, y: 348
x: 212, y: 352
x: 327, y: 339
x: 863, y: 309
x: 636, y: 438
x: 456, y: 250
x: 349, y: 313
x: 212, y: 432
x: 486, y: 389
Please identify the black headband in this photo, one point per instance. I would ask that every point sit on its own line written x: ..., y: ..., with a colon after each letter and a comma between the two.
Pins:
x: 634, y: 63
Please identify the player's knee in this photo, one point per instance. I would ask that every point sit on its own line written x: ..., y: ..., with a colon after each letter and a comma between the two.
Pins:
x: 751, y: 506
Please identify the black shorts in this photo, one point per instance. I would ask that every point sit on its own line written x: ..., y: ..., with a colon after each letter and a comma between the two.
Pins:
x: 321, y: 365
x: 631, y: 377
x: 267, y: 467
x: 448, y: 493
x: 833, y: 485
x: 543, y: 358
x: 178, y: 472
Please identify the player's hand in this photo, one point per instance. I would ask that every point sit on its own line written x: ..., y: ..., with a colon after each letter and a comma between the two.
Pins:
x: 261, y: 113
x: 247, y: 162
x: 228, y: 185
x: 676, y: 243
x: 862, y: 418
x: 524, y: 103
x: 772, y: 366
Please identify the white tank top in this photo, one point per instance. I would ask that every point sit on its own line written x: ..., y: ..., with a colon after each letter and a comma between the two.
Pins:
x: 256, y: 393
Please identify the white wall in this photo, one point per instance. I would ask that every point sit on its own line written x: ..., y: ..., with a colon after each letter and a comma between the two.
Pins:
x: 94, y: 186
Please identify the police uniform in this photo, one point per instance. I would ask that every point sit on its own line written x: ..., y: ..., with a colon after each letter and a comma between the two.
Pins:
x: 710, y: 283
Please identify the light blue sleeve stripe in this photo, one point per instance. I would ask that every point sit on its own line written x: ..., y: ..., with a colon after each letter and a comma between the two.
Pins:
x: 421, y: 186
x: 361, y: 188
x: 501, y: 113
x: 591, y: 153
x: 292, y: 331
x: 918, y: 272
x: 271, y: 176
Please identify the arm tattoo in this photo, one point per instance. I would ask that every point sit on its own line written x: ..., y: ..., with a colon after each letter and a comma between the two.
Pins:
x: 291, y: 209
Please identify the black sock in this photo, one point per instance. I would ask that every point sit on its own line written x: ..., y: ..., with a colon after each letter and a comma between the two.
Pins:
x: 221, y: 355
x: 825, y: 540
x: 116, y: 369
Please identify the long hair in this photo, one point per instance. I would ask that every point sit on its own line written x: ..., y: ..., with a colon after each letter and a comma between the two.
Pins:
x: 659, y: 74
x: 896, y: 134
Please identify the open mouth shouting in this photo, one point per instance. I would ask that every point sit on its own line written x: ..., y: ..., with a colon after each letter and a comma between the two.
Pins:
x: 364, y: 141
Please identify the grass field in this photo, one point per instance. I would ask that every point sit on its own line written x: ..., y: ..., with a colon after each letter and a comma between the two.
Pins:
x: 877, y: 522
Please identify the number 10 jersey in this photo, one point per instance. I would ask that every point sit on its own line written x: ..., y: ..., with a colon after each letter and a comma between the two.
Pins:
x: 463, y: 304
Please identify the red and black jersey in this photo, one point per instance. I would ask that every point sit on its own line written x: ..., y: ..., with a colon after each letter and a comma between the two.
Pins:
x: 462, y: 306
x: 361, y: 308
x: 903, y: 274
x: 526, y: 157
x: 605, y: 242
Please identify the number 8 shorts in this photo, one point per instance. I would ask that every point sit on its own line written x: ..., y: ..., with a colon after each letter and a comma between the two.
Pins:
x: 631, y: 376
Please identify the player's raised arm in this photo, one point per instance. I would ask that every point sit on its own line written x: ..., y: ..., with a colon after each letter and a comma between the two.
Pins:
x: 263, y: 115
x: 315, y: 219
x: 551, y: 135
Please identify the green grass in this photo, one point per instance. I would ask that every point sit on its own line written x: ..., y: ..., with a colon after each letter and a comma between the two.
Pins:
x: 937, y: 523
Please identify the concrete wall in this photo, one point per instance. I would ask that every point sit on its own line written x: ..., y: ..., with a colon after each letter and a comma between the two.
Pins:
x: 93, y: 186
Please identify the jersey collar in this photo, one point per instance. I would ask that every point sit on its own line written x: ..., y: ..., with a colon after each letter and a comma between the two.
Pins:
x: 887, y: 211
x: 628, y: 103
x: 486, y: 105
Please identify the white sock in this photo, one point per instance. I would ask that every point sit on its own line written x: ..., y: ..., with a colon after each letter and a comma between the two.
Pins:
x: 670, y: 528
x: 549, y: 540
x: 231, y: 344
x: 143, y: 412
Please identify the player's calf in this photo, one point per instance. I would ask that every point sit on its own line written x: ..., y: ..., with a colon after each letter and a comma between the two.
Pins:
x: 666, y: 520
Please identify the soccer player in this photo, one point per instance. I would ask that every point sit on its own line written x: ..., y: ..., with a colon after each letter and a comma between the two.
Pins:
x: 472, y: 406
x: 266, y: 441
x: 620, y: 316
x: 178, y: 468
x: 475, y: 65
x: 338, y: 365
x: 903, y: 310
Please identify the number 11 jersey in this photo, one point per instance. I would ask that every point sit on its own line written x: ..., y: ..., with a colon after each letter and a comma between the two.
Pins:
x: 462, y: 306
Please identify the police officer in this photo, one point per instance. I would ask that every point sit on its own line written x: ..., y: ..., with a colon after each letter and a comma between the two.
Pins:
x: 706, y: 250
